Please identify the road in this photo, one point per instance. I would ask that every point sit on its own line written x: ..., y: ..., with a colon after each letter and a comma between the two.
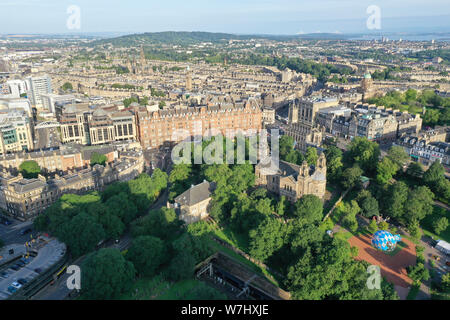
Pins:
x: 11, y: 234
x: 46, y: 138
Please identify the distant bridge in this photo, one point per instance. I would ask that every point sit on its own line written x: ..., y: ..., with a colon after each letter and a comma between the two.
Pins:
x: 47, y: 124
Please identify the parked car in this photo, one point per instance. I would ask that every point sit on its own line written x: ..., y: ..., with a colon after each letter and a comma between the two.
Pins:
x: 25, y: 231
x: 5, y: 221
x: 21, y: 263
x: 25, y: 260
x: 11, y: 289
x: 38, y: 270
x: 15, y: 267
x: 4, y: 274
x: 16, y: 285
x: 22, y: 281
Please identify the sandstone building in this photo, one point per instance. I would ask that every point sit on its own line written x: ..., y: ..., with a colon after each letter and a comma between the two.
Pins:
x: 293, y: 181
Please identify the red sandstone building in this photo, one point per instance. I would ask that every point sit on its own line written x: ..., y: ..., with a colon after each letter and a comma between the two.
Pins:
x: 155, y: 128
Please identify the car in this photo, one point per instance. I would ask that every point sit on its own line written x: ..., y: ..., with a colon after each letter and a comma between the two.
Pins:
x: 22, y: 281
x: 25, y: 260
x: 16, y: 285
x: 20, y: 263
x: 38, y: 270
x: 4, y: 274
x: 15, y: 267
x: 5, y: 221
x: 25, y: 231
x: 11, y: 289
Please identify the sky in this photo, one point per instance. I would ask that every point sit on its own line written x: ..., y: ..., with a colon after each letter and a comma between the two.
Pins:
x: 230, y: 16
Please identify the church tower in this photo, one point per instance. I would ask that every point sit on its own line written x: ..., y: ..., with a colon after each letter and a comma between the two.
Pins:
x: 321, y: 165
x: 188, y: 79
x: 293, y: 113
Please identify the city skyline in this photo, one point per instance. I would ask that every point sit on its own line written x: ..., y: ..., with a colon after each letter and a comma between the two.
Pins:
x: 251, y: 17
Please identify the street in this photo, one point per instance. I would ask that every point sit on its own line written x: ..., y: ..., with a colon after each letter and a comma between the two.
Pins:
x: 46, y: 138
x: 11, y: 234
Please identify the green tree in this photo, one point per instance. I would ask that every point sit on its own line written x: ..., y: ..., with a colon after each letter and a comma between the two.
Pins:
x: 30, y: 169
x: 414, y: 229
x: 147, y: 253
x: 334, y: 163
x: 349, y: 220
x: 368, y: 204
x: 365, y: 153
x: 434, y: 174
x: 440, y: 225
x: 286, y: 146
x: 396, y: 198
x: 81, y: 234
x: 445, y: 282
x: 97, y: 158
x: 162, y: 223
x: 420, y: 204
x: 398, y: 155
x: 418, y: 273
x: 267, y: 238
x: 204, y: 292
x: 112, y: 225
x: 311, y: 156
x: 351, y: 176
x: 415, y: 169
x: 181, y: 267
x: 386, y: 169
x: 67, y: 86
x: 309, y: 208
x: 373, y: 227
x: 106, y: 275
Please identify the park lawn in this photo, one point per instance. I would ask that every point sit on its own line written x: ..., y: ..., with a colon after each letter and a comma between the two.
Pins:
x: 157, y: 288
x: 427, y: 224
x: 179, y: 290
x: 343, y: 235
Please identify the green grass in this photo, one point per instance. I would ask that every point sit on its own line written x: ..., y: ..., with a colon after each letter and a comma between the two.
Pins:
x: 261, y: 271
x: 343, y: 235
x: 427, y: 224
x: 157, y: 288
x: 413, y: 292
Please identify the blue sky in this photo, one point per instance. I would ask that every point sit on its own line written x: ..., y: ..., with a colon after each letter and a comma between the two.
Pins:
x: 234, y: 16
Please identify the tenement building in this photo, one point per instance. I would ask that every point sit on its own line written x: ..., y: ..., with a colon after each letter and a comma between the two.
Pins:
x: 67, y: 157
x: 158, y: 127
x: 293, y: 181
x: 23, y: 199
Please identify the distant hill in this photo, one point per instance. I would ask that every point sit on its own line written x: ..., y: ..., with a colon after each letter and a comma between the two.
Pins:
x: 187, y: 38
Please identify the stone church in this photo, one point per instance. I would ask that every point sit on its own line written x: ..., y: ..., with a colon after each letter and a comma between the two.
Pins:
x: 293, y: 181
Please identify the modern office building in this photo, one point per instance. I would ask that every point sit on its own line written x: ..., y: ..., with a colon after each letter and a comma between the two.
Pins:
x: 36, y: 87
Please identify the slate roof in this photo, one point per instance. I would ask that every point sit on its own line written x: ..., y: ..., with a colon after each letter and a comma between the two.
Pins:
x: 195, y: 194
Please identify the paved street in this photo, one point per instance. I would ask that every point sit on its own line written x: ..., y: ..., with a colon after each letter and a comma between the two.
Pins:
x: 11, y: 234
x: 46, y: 138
